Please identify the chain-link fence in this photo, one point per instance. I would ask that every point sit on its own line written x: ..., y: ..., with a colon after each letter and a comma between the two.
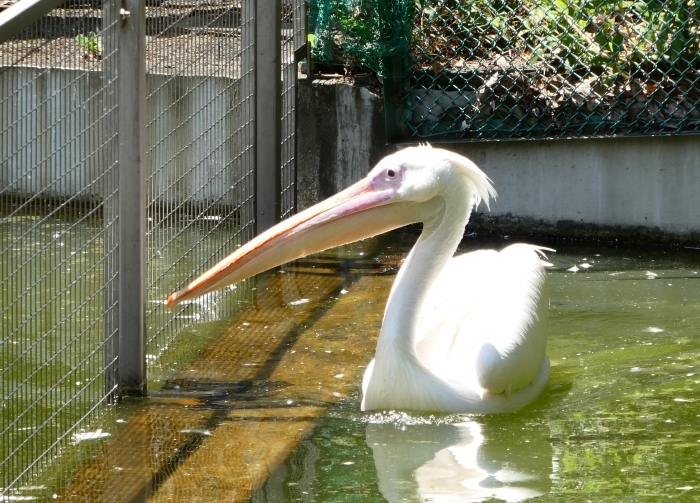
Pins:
x: 62, y: 193
x: 526, y: 68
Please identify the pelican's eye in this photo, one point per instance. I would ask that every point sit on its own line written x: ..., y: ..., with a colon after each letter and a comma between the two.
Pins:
x: 384, y: 177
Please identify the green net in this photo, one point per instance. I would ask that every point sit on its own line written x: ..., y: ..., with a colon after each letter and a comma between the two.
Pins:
x: 360, y: 32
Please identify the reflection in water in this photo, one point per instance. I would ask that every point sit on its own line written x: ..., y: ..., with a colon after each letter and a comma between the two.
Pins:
x: 467, y: 461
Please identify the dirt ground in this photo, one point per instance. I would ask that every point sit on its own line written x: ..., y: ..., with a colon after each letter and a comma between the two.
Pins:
x: 196, y: 39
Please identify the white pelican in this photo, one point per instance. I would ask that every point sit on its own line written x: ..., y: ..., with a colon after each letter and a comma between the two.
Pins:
x: 462, y: 334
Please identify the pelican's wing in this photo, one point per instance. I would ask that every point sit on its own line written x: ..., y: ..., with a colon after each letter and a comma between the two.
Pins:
x: 484, y: 320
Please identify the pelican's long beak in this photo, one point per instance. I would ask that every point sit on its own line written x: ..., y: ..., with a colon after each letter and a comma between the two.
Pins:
x: 358, y: 212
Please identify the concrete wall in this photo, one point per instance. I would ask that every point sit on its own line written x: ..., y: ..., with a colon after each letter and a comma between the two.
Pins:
x: 340, y: 135
x: 630, y: 188
x: 195, y: 138
x: 57, y: 136
x: 48, y: 138
x: 652, y: 183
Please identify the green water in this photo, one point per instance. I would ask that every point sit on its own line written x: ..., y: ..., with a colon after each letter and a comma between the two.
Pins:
x: 57, y: 279
x: 620, y: 421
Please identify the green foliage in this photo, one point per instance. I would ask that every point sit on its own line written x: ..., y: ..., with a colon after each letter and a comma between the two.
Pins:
x: 360, y: 32
x: 91, y: 43
x: 617, y: 36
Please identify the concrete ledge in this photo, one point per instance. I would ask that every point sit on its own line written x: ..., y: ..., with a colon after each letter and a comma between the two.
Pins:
x: 542, y: 232
x: 625, y: 189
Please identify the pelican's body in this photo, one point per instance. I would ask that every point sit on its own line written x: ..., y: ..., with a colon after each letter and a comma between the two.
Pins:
x: 480, y: 337
x: 460, y: 334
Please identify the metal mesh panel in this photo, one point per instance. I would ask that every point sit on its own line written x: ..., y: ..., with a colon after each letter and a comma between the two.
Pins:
x: 200, y: 137
x: 57, y: 179
x: 293, y: 38
x: 533, y: 68
x: 58, y: 197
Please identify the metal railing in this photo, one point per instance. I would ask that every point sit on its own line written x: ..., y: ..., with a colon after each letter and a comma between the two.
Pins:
x: 128, y: 165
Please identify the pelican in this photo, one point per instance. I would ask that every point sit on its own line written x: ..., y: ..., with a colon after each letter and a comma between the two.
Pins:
x: 460, y: 334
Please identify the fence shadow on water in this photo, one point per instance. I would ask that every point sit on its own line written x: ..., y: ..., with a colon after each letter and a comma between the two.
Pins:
x: 65, y: 147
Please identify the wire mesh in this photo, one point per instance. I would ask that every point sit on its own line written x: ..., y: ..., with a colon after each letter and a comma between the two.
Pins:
x: 293, y: 39
x: 58, y: 157
x: 200, y: 136
x: 58, y: 197
x: 539, y: 68
x: 360, y: 32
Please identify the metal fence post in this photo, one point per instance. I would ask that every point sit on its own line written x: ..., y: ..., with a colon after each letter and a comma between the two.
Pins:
x: 268, y: 90
x: 395, y: 89
x: 110, y: 200
x: 132, y: 198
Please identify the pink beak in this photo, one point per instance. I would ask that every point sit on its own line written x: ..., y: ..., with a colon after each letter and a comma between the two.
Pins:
x: 358, y: 212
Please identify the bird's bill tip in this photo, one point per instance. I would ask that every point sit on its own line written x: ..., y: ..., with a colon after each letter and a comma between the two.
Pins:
x: 172, y: 300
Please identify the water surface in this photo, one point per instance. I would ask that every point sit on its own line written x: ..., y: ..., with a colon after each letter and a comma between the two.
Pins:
x: 619, y: 422
x: 263, y: 403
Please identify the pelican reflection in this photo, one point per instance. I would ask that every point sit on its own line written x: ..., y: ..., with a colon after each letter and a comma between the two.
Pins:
x: 466, y: 461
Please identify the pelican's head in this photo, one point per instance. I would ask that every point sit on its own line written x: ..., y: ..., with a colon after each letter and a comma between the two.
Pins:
x: 421, y: 173
x: 412, y: 185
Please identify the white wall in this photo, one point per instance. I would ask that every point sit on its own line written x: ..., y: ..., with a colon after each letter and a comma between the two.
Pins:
x: 648, y: 182
x: 53, y: 140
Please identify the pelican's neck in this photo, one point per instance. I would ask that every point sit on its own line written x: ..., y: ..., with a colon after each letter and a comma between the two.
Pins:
x: 438, y: 242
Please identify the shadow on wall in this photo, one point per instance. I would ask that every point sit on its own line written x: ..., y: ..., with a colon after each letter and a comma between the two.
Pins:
x: 341, y: 137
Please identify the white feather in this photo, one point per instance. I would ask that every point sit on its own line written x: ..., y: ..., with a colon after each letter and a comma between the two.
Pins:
x: 462, y: 334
